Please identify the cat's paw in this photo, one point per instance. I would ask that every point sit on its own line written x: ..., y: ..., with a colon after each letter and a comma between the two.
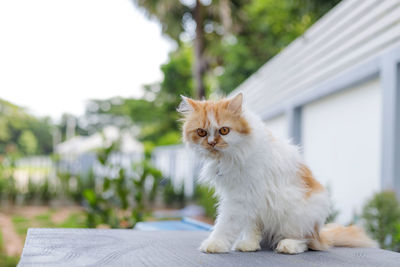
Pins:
x: 291, y: 246
x: 213, y: 245
x: 248, y: 245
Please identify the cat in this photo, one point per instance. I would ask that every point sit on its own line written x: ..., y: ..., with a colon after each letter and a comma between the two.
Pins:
x: 266, y: 192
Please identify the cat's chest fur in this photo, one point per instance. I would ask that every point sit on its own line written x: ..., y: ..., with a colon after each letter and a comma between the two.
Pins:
x: 255, y: 181
x: 223, y: 169
x: 229, y: 176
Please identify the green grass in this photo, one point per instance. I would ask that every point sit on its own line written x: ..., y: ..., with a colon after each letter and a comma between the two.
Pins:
x: 44, y: 220
x: 6, y: 261
x: 21, y: 224
x: 1, y: 242
x: 75, y: 220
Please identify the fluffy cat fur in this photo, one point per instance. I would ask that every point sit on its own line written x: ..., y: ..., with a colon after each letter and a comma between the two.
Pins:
x: 266, y: 192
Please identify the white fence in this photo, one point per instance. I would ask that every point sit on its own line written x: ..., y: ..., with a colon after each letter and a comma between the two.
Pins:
x: 84, y: 163
x: 34, y: 168
x: 179, y: 164
x: 39, y: 168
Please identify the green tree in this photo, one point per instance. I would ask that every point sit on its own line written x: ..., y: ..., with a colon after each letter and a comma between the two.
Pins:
x: 211, y: 20
x: 155, y: 114
x: 78, y: 121
x: 21, y: 132
x: 28, y: 142
x: 238, y: 37
x: 268, y: 26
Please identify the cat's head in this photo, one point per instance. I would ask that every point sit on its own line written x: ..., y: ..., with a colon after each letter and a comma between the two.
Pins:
x: 214, y: 127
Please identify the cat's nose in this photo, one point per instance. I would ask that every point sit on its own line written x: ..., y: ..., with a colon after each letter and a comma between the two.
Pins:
x: 212, y: 143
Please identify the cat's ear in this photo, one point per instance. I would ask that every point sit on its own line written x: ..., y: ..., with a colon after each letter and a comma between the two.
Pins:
x: 187, y: 105
x: 235, y: 104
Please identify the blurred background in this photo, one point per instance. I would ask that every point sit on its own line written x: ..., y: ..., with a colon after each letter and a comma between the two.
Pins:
x: 89, y: 135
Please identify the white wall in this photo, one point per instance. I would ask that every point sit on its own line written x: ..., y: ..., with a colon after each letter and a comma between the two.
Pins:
x: 278, y: 126
x: 341, y: 136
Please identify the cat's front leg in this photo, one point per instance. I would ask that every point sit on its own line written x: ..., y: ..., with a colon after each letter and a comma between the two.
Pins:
x: 226, y: 231
x: 251, y: 238
x: 214, y: 244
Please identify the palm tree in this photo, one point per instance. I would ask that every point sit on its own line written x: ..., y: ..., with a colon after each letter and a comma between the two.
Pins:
x: 173, y: 16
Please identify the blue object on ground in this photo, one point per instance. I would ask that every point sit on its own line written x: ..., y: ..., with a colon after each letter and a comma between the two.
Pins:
x: 186, y: 224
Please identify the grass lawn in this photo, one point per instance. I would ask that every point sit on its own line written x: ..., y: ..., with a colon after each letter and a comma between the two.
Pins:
x: 45, y: 220
x: 24, y: 218
x: 6, y: 261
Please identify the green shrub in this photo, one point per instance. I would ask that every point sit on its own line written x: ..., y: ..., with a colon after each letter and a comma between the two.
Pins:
x: 12, y: 190
x: 32, y: 190
x: 173, y: 197
x: 45, y: 193
x: 121, y: 202
x: 38, y: 191
x: 382, y: 220
x: 204, y: 196
x: 76, y: 185
x: 3, y: 188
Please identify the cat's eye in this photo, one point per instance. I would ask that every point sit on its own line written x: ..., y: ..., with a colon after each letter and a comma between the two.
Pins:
x: 224, y: 130
x: 201, y: 132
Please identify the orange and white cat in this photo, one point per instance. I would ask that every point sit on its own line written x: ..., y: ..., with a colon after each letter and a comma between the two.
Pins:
x: 266, y: 193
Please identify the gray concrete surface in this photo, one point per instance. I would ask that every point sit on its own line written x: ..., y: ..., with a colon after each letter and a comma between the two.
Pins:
x: 104, y: 247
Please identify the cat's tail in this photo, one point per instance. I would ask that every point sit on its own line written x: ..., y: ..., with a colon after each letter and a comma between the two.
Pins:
x: 335, y: 235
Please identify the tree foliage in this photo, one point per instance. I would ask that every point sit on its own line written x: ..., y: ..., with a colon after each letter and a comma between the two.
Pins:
x: 22, y: 133
x: 154, y: 114
x: 268, y: 26
x: 239, y: 36
x: 203, y: 22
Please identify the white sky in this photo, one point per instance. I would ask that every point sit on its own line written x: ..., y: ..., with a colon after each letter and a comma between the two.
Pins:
x: 55, y: 54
